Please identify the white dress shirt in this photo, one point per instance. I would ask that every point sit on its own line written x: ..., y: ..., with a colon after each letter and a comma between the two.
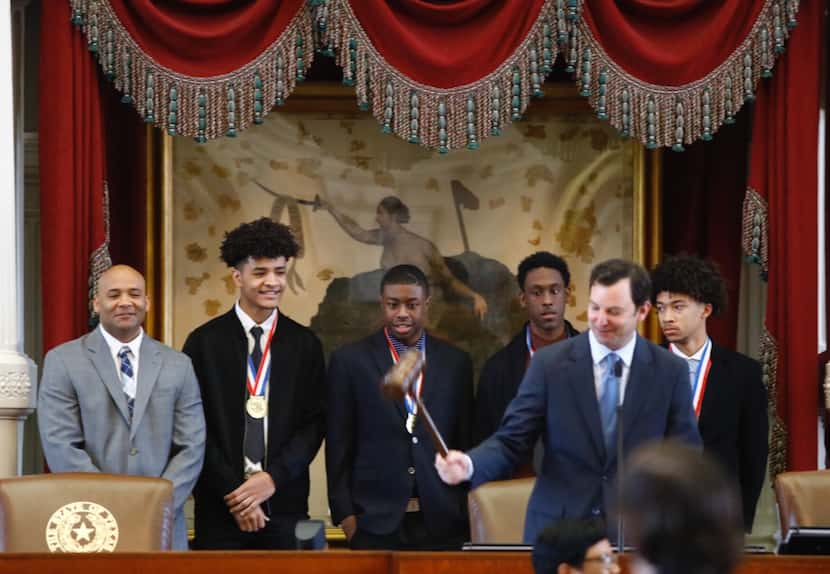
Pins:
x: 598, y: 354
x: 247, y: 325
x: 115, y: 347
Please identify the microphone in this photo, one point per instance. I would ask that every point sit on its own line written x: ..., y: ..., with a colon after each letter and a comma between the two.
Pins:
x: 618, y: 371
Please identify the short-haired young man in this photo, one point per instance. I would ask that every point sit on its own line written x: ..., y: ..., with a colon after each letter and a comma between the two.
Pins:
x: 263, y: 387
x: 574, y: 546
x: 570, y: 394
x: 728, y: 393
x: 544, y: 279
x: 383, y: 488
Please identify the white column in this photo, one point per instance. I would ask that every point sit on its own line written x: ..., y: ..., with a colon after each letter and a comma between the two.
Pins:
x: 18, y: 374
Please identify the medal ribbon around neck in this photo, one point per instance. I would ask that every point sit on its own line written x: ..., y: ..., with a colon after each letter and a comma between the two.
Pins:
x: 701, y: 376
x: 257, y: 377
x: 411, y: 403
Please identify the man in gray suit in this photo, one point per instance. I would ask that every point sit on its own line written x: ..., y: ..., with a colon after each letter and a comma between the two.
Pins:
x: 117, y: 401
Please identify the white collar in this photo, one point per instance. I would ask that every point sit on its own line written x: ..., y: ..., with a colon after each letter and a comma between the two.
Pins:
x: 599, y: 351
x: 698, y: 356
x: 115, y: 345
x: 248, y: 323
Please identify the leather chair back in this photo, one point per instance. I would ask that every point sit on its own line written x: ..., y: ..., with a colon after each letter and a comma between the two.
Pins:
x: 85, y: 512
x: 803, y: 499
x: 497, y: 511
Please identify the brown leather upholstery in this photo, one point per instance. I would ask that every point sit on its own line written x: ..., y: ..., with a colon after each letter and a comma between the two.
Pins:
x: 497, y: 511
x: 803, y: 499
x: 85, y: 512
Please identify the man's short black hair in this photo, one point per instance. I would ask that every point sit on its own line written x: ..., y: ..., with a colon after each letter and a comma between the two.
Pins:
x: 565, y: 541
x: 405, y: 275
x: 682, y: 510
x: 610, y: 272
x: 262, y: 237
x: 698, y: 278
x: 543, y: 259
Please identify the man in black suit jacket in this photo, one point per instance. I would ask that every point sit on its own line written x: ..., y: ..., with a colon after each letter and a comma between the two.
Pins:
x: 728, y: 393
x: 262, y: 377
x: 382, y: 485
x: 544, y: 280
x: 571, y: 392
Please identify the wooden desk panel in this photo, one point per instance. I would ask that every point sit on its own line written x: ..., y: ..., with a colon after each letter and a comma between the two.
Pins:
x: 333, y: 562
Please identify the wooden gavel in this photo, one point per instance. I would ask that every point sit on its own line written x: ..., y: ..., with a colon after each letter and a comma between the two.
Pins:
x: 399, y: 381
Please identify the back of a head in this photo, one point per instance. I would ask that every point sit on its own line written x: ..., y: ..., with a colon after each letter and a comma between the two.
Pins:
x: 565, y: 542
x: 681, y: 511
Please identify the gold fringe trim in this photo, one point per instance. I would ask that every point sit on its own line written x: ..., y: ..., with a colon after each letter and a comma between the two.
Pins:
x: 437, y: 118
x: 755, y: 230
x: 778, y: 431
x: 666, y: 116
x: 203, y: 108
x: 99, y: 260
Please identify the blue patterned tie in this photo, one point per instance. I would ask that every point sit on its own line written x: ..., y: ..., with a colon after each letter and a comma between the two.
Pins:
x: 127, y: 378
x: 608, y: 403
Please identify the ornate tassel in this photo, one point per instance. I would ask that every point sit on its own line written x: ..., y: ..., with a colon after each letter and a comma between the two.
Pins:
x: 706, y: 111
x: 126, y: 84
x: 547, y: 48
x: 258, y: 105
x: 231, y: 96
x: 651, y: 123
x: 201, y: 106
x: 109, y: 55
x: 585, y: 79
x: 149, y: 99
x: 388, y: 108
x: 351, y: 71
x: 495, y: 110
x: 766, y: 61
x: 443, y: 148
x: 728, y: 106
x: 571, y: 64
x: 516, y: 101
x: 414, y: 123
x: 472, y: 140
x: 749, y: 96
x: 280, y: 94
x: 678, y: 126
x: 562, y: 37
x: 602, y: 91
x: 535, y: 79
x: 625, y: 107
x: 299, y: 53
x: 366, y: 96
x: 173, y: 109
x: 778, y: 28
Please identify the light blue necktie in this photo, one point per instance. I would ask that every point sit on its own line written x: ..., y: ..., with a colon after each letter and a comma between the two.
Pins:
x: 609, y: 400
x: 693, y: 363
x: 127, y: 377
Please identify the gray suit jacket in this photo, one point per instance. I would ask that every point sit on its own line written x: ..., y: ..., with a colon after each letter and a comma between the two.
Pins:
x: 84, y: 420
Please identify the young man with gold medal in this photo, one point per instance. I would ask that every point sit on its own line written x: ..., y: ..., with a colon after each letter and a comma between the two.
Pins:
x: 262, y: 378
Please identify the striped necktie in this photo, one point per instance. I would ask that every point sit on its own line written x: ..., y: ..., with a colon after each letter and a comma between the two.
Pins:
x: 127, y: 376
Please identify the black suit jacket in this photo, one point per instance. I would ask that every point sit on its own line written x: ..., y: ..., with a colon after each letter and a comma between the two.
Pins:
x: 296, y: 417
x: 373, y: 464
x: 499, y: 382
x: 733, y: 423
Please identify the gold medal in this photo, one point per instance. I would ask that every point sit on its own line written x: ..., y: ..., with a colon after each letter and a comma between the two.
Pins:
x: 257, y: 407
x: 410, y: 422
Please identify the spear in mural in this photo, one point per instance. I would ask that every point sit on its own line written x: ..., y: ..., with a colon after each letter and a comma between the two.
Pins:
x: 463, y: 197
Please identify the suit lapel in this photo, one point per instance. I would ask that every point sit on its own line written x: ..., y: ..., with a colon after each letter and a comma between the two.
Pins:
x: 581, y: 378
x: 99, y: 355
x: 640, y: 380
x: 149, y: 367
x: 431, y: 394
x: 383, y: 361
x: 283, y: 367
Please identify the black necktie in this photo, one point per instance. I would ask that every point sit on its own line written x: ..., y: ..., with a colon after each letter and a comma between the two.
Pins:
x: 254, y: 433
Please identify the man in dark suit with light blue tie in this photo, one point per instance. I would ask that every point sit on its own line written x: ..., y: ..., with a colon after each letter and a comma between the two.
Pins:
x: 570, y: 393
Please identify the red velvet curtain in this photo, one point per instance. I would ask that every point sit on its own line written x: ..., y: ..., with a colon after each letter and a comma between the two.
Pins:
x: 783, y: 189
x: 72, y: 176
x: 703, y: 192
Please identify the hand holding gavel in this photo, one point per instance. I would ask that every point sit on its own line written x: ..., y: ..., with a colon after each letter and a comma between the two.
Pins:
x: 400, y: 380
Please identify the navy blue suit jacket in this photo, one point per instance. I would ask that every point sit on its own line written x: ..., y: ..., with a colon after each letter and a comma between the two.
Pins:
x: 373, y: 464
x: 558, y: 397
